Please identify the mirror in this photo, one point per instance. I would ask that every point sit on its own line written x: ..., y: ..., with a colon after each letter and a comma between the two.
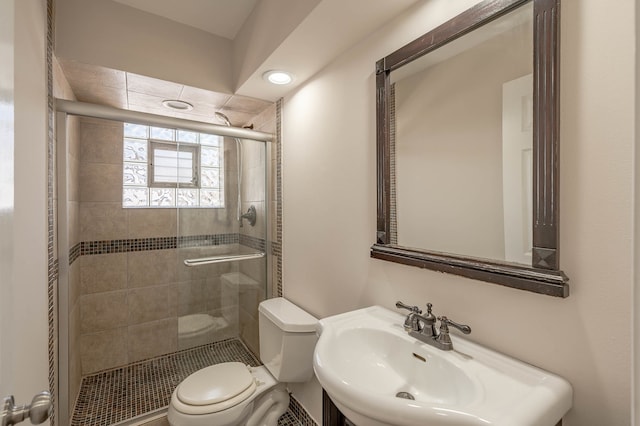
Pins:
x: 467, y: 142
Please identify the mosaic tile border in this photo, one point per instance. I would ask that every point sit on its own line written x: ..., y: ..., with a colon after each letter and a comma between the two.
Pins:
x: 277, y: 244
x: 393, y: 225
x: 253, y: 242
x: 87, y: 248
x: 74, y: 253
x: 300, y: 413
x: 53, y: 265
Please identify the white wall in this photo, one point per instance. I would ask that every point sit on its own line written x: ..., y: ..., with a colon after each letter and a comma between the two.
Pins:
x: 113, y: 35
x: 28, y: 307
x: 268, y: 25
x: 329, y: 211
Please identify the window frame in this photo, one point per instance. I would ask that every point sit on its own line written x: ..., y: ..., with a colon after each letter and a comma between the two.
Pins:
x: 178, y: 147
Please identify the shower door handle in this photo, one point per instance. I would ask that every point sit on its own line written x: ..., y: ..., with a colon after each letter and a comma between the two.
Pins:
x: 38, y: 411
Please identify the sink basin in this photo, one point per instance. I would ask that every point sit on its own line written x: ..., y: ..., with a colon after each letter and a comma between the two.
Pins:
x: 377, y: 375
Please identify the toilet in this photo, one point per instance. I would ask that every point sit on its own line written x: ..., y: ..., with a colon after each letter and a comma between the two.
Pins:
x: 232, y: 393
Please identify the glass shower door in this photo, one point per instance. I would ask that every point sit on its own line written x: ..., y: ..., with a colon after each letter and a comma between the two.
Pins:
x: 222, y: 260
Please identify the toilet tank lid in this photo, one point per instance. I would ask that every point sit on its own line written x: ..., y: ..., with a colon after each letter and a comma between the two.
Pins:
x: 288, y: 316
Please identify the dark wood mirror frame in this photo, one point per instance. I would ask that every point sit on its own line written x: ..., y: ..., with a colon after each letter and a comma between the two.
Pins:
x: 544, y: 275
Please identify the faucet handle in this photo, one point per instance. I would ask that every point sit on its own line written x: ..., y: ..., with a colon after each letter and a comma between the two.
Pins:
x: 429, y: 316
x: 411, y: 322
x: 413, y: 309
x: 444, y: 322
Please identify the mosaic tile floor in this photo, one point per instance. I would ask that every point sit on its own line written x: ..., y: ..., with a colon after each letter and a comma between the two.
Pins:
x: 118, y: 395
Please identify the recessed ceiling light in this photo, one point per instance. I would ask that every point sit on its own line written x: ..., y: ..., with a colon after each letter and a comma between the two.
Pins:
x: 177, y: 105
x: 278, y: 77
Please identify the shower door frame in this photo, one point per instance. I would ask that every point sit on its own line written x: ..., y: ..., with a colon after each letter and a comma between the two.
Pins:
x: 65, y: 108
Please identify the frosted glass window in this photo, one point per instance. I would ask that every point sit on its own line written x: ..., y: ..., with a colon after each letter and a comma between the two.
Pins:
x: 185, y: 136
x: 163, y: 134
x: 212, y: 140
x: 165, y: 167
x: 211, y: 198
x: 136, y: 131
x: 135, y: 197
x: 187, y: 197
x: 135, y: 150
x: 210, y: 178
x: 163, y: 197
x: 134, y: 174
x: 210, y: 157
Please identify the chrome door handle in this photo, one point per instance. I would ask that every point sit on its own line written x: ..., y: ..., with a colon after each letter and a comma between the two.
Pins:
x: 38, y: 411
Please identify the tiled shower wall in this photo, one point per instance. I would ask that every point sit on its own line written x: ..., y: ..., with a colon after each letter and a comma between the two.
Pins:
x: 131, y: 298
x: 253, y: 193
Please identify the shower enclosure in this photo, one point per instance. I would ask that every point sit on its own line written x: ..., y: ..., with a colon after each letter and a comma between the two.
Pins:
x: 163, y: 240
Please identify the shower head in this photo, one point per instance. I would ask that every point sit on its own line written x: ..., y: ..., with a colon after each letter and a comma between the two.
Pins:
x: 220, y: 116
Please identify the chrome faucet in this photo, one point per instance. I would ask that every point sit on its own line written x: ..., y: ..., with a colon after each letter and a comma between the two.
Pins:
x: 423, y: 327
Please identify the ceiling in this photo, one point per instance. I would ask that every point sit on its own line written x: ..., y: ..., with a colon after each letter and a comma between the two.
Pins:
x: 125, y: 90
x: 223, y: 18
x: 331, y: 28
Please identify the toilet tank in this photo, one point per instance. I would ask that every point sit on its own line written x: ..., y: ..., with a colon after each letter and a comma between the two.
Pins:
x: 287, y: 340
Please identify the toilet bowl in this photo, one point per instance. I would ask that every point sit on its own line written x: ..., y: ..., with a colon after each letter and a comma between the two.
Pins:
x: 232, y: 393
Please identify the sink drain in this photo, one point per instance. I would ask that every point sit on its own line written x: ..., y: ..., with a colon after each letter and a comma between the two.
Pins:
x: 405, y: 395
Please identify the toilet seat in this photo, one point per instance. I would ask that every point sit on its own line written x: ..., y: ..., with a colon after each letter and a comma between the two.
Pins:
x: 214, y: 388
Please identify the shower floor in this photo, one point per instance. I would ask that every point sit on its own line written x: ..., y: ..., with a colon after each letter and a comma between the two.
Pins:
x: 123, y: 395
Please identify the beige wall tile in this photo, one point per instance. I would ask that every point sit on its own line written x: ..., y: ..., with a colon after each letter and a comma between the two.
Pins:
x: 266, y: 120
x: 73, y: 158
x: 144, y: 223
x: 152, y: 339
x: 73, y: 208
x: 103, y: 96
x: 100, y: 182
x: 103, y: 221
x: 93, y: 75
x: 103, y: 272
x: 248, y: 299
x: 149, y: 268
x: 101, y: 142
x: 73, y: 133
x: 173, y: 299
x: 103, y: 311
x: 148, y: 304
x: 249, y: 331
x: 246, y: 104
x: 191, y: 297
x: 213, y: 293
x: 103, y: 350
x: 209, y: 221
x: 61, y: 87
x: 73, y: 169
x: 74, y: 283
x: 153, y: 86
x: 255, y: 269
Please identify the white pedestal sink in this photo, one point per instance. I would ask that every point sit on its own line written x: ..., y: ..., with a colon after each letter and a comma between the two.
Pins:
x: 369, y: 366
